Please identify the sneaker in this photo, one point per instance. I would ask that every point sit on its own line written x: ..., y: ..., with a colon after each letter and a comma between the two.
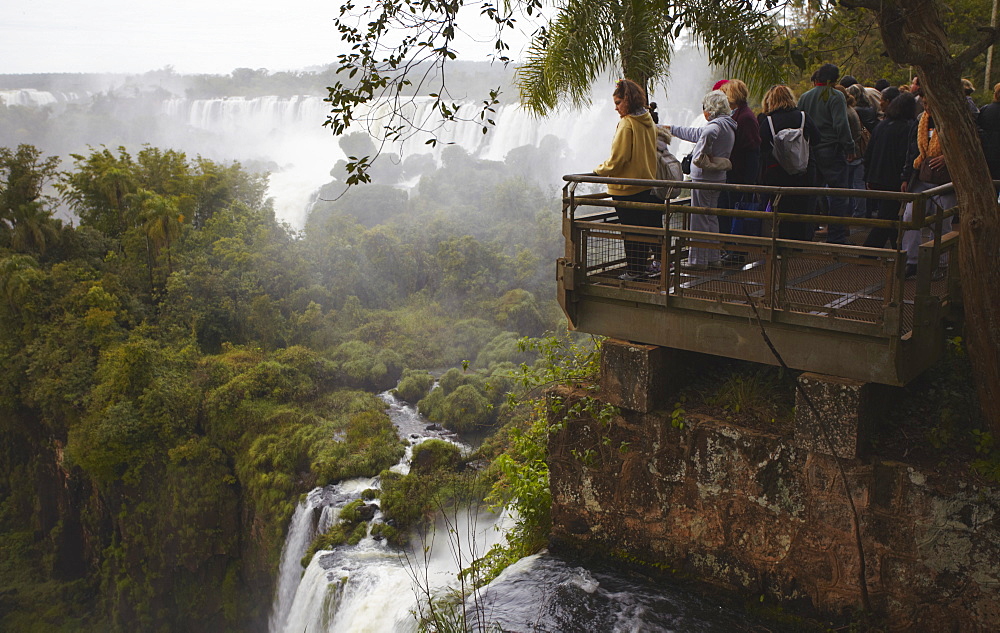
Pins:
x: 653, y: 268
x: 716, y: 264
x: 939, y: 273
x: 628, y: 276
x: 734, y: 258
x: 687, y: 265
x: 911, y: 270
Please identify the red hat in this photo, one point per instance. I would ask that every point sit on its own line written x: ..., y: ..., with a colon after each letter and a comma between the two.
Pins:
x: 719, y: 83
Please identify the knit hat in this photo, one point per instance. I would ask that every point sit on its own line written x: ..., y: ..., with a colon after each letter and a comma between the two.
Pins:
x: 719, y: 84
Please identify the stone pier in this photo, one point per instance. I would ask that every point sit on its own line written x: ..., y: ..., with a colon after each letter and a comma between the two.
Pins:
x: 766, y: 514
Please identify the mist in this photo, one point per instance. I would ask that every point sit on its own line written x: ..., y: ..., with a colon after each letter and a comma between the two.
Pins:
x: 273, y: 122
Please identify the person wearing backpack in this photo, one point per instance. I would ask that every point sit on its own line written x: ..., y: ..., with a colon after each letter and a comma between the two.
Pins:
x: 786, y: 132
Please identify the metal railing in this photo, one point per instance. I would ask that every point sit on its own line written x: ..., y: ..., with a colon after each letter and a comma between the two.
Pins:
x: 841, y: 287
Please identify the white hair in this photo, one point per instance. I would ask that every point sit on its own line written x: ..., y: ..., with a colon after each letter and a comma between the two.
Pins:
x: 716, y: 104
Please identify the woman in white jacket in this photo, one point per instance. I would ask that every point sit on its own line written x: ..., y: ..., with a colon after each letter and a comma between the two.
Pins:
x: 709, y: 163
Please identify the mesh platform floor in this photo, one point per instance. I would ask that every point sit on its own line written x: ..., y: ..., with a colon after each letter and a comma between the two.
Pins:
x: 839, y: 290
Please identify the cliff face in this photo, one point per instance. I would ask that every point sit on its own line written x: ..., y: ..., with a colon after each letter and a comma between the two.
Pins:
x: 71, y: 548
x: 766, y: 515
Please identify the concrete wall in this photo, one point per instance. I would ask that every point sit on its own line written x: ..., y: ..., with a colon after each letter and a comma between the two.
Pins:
x: 764, y: 514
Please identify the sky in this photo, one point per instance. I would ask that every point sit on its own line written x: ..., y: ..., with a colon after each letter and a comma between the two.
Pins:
x: 192, y: 36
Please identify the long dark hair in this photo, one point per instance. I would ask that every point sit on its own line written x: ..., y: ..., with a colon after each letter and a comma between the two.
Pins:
x: 631, y: 93
x: 903, y: 107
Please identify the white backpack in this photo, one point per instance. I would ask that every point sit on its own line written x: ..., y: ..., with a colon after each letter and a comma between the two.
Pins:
x: 667, y: 168
x: 791, y: 149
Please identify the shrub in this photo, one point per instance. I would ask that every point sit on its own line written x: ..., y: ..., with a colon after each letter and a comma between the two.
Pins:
x: 414, y: 385
x: 434, y: 455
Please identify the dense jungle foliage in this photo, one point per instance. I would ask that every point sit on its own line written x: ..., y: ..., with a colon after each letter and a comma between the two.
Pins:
x: 179, y: 367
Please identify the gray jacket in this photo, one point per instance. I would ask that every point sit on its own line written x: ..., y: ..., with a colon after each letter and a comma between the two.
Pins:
x: 713, y: 142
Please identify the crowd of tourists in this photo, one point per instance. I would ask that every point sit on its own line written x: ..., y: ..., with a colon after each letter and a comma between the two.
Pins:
x: 839, y: 134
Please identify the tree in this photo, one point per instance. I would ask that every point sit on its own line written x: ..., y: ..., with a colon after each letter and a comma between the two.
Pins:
x: 399, y: 49
x: 26, y: 222
x: 588, y: 37
x: 913, y: 34
x: 161, y: 220
x: 99, y: 190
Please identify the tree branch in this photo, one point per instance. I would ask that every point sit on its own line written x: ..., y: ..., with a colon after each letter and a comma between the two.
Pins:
x: 989, y: 37
x: 874, y: 5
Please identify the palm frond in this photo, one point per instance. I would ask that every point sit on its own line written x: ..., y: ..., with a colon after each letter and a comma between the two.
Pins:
x: 740, y: 38
x: 562, y: 63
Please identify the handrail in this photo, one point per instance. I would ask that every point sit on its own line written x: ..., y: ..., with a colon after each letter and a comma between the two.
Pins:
x: 920, y: 220
x: 791, y: 191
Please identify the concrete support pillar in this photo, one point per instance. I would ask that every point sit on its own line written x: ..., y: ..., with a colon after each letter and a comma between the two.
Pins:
x: 845, y: 406
x: 636, y: 376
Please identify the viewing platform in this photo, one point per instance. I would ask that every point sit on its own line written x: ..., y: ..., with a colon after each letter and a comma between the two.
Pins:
x: 841, y: 310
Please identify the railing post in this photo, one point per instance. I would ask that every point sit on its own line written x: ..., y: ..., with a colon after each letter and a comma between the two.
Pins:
x: 569, y: 215
x: 922, y: 300
x: 665, y: 250
x: 919, y: 215
x: 938, y: 226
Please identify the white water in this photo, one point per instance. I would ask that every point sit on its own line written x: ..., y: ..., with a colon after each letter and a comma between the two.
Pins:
x: 29, y: 97
x: 372, y: 586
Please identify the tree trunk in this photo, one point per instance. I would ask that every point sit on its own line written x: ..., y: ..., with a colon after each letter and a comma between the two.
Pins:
x: 913, y: 34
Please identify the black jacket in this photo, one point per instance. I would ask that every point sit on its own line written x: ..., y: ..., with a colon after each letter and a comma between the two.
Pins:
x: 887, y: 153
x: 989, y: 131
x: 868, y: 116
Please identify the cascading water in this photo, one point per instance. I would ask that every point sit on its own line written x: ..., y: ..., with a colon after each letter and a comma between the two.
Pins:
x: 288, y: 132
x: 372, y: 586
x: 29, y: 97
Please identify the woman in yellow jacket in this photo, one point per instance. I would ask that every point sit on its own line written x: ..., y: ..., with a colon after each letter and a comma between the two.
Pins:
x: 633, y: 155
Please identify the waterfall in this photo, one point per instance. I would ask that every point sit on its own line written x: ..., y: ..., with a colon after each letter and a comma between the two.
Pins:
x: 372, y: 586
x: 312, y: 516
x: 288, y: 132
x: 29, y: 97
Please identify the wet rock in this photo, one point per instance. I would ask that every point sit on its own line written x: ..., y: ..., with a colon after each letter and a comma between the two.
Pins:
x: 477, y: 465
x: 367, y: 511
x: 434, y: 427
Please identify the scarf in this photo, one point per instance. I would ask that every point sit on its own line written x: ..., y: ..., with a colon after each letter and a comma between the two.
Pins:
x: 928, y: 144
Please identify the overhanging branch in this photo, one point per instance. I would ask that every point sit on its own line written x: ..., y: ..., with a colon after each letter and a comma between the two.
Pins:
x: 874, y: 5
x: 988, y: 38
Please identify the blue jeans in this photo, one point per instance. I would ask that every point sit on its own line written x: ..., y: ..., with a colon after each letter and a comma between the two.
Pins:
x: 831, y: 167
